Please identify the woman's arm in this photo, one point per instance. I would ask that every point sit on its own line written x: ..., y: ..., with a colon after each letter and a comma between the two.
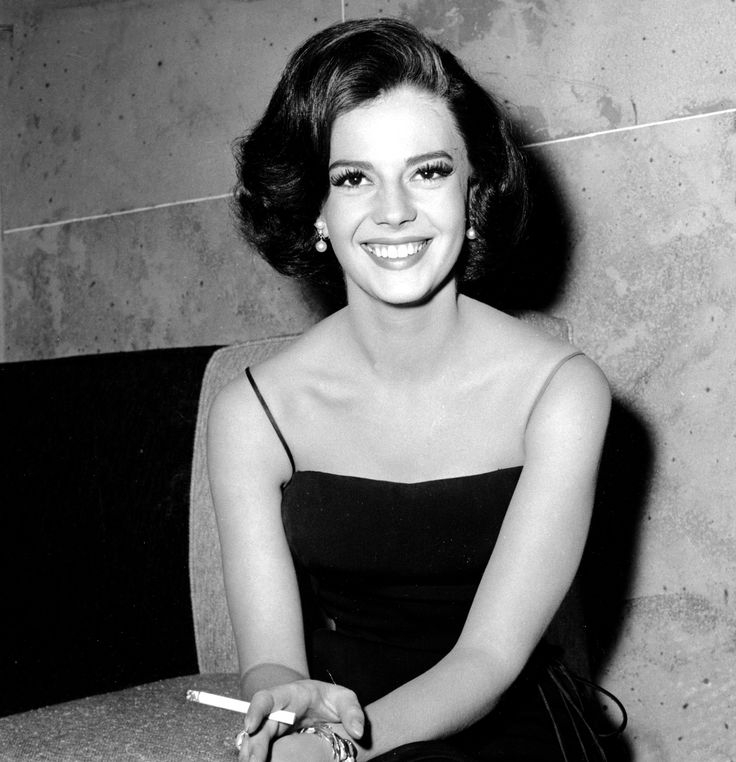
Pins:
x: 532, y: 566
x: 247, y: 466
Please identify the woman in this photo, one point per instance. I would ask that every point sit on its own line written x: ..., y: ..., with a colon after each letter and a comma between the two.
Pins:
x: 426, y: 462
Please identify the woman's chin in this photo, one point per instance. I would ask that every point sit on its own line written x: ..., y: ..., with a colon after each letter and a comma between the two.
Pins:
x: 404, y: 295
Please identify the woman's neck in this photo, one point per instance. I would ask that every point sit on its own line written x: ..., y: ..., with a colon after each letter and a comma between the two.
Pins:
x: 398, y: 342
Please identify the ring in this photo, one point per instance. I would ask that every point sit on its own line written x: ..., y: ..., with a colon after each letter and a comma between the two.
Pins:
x: 239, y: 739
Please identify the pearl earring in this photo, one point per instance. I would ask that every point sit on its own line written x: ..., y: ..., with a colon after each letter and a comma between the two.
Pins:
x: 321, y: 245
x: 471, y: 233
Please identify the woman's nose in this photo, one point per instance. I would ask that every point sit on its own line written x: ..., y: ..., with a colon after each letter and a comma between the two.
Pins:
x: 394, y: 205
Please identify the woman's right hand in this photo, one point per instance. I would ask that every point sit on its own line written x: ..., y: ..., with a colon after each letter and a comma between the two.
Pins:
x: 311, y: 701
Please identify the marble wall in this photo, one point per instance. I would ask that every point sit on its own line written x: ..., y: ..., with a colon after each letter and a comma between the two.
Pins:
x: 115, y: 165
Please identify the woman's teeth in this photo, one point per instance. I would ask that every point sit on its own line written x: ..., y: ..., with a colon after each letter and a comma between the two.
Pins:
x: 396, y: 251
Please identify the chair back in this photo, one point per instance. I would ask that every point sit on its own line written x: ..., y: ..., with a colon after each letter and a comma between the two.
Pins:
x: 212, y: 631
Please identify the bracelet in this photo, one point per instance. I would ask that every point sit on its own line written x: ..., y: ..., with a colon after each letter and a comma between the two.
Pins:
x: 343, y: 749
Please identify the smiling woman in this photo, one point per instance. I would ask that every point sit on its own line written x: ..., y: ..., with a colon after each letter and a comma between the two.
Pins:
x: 403, y: 494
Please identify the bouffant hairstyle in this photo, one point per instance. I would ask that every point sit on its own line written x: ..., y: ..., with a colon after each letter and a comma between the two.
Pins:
x: 282, y: 164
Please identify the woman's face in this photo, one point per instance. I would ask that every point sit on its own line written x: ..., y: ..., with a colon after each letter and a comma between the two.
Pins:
x: 395, y: 210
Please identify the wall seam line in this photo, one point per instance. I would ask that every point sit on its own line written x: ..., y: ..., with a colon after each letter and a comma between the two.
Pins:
x: 120, y: 213
x: 631, y: 128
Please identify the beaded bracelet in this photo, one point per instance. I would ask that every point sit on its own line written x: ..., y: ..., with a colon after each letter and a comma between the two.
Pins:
x: 343, y: 749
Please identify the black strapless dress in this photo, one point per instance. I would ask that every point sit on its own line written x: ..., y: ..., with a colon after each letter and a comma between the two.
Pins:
x: 393, y: 568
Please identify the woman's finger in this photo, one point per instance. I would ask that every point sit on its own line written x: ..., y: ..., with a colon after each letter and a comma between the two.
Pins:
x: 261, y: 705
x: 242, y: 743
x: 259, y: 746
x: 256, y: 747
x: 350, y: 712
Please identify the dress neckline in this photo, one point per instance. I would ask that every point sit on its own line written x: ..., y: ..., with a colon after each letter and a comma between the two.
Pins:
x: 424, y: 482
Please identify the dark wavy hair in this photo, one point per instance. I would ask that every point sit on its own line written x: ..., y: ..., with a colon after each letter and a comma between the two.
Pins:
x: 282, y: 164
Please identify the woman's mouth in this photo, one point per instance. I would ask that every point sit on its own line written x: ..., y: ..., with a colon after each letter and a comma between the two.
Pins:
x: 396, y: 250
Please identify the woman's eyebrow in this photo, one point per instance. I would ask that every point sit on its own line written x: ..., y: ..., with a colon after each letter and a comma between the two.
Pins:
x: 431, y: 156
x: 352, y: 164
x: 418, y: 159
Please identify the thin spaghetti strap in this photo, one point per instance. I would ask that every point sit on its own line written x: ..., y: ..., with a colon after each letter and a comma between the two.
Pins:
x: 548, y: 381
x: 270, y: 417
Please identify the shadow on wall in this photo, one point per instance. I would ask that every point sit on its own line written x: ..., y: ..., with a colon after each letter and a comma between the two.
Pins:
x: 608, y: 563
x: 530, y: 276
x: 623, y: 487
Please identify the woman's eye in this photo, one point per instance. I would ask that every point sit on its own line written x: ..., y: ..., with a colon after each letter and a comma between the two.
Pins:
x: 434, y: 171
x: 351, y: 179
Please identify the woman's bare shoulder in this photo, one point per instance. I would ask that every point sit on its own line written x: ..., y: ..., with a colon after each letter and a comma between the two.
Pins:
x: 521, y: 339
x: 247, y: 414
x: 530, y: 357
x: 271, y: 398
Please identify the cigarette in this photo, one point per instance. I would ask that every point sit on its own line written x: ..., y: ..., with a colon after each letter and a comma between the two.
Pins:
x: 234, y: 705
